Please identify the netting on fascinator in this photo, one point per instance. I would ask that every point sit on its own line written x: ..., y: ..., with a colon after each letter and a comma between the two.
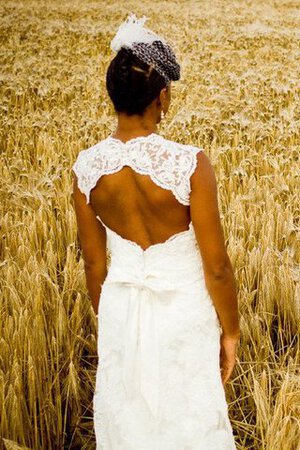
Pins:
x: 148, y: 46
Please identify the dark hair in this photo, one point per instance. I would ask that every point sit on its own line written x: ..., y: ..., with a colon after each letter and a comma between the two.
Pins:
x: 131, y: 83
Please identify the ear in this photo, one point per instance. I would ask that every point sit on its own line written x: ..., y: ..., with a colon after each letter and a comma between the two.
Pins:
x: 162, y: 98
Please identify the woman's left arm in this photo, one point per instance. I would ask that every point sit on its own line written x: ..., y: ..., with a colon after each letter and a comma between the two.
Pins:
x: 92, y: 237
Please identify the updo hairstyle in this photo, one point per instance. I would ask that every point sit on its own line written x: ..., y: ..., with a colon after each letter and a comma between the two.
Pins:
x: 131, y: 83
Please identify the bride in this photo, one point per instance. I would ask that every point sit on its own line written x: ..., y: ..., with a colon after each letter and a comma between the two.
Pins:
x: 166, y: 300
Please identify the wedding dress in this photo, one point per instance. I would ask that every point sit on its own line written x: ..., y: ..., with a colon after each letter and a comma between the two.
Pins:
x: 158, y: 381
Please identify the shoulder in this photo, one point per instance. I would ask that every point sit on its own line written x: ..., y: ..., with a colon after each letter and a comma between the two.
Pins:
x: 86, y: 156
x: 203, y: 175
x: 88, y: 166
x: 183, y: 148
x: 187, y: 155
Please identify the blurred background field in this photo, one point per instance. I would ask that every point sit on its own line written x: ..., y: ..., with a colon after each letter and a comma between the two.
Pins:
x: 239, y: 98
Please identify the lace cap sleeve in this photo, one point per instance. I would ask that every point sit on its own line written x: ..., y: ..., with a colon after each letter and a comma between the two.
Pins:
x: 195, y: 151
x: 80, y: 169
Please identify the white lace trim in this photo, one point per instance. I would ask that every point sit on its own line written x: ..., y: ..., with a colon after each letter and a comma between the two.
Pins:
x: 169, y: 164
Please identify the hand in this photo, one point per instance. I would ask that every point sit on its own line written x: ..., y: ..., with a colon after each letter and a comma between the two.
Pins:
x: 228, y: 345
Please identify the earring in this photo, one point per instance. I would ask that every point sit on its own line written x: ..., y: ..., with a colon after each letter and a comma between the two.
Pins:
x: 162, y: 115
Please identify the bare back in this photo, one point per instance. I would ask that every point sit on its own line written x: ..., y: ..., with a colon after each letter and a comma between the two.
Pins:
x: 137, y: 209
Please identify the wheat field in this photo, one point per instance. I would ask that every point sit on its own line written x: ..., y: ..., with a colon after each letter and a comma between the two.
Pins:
x: 239, y: 99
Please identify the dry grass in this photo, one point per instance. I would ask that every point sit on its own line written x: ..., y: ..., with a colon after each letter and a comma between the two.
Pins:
x: 239, y: 99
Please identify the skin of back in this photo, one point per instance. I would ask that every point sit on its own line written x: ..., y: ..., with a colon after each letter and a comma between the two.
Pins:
x: 137, y: 209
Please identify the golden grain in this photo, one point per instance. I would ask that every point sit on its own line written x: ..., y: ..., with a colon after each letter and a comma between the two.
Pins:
x: 238, y: 98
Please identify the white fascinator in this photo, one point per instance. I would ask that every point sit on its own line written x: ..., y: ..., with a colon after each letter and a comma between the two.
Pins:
x: 147, y: 45
x: 132, y: 31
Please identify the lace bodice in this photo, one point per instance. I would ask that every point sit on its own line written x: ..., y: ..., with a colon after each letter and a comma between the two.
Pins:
x: 168, y: 163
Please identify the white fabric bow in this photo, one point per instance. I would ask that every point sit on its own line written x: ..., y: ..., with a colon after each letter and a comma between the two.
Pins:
x: 142, y: 339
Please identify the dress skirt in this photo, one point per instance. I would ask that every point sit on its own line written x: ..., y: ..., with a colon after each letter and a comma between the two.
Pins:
x: 158, y: 381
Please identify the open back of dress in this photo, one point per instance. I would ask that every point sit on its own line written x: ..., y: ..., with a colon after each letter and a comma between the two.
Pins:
x: 158, y: 383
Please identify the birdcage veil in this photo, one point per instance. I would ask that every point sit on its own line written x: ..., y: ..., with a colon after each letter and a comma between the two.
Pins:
x: 148, y: 46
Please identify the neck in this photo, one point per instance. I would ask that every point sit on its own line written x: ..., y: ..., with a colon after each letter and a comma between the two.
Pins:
x: 133, y: 126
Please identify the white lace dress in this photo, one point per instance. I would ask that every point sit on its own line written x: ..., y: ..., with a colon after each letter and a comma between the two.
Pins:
x: 158, y: 383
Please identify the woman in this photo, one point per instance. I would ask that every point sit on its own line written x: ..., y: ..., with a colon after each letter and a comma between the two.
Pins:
x: 166, y: 302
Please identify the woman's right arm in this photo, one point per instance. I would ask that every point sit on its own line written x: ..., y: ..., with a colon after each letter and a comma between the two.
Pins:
x: 218, y: 272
